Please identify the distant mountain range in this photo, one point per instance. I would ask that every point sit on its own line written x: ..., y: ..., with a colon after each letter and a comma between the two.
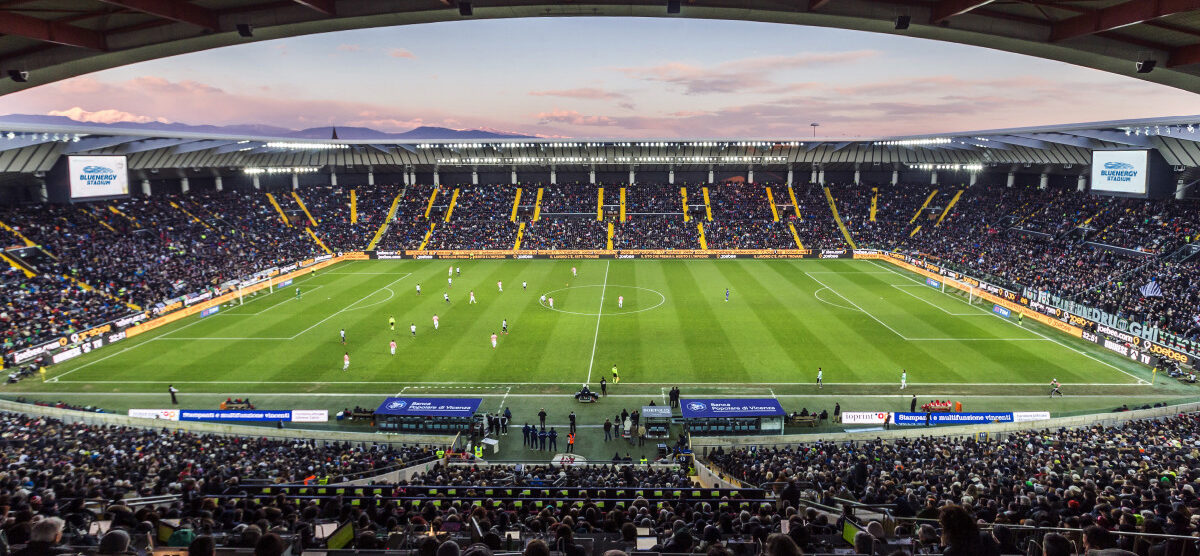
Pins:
x: 349, y: 133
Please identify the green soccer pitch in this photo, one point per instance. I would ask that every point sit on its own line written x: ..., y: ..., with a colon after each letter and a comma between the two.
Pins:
x: 861, y: 321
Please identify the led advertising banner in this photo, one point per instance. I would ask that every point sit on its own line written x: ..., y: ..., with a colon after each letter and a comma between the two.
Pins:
x: 97, y: 176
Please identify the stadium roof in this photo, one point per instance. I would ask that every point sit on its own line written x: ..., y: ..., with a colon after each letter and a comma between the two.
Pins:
x: 57, y: 39
x: 28, y: 148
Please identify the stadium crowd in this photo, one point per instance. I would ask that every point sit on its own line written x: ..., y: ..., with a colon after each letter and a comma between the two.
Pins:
x: 1139, y: 476
x: 96, y: 261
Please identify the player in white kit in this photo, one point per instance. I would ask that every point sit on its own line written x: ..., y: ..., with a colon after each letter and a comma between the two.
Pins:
x: 446, y: 296
x: 500, y: 285
x: 449, y: 282
x: 524, y: 285
x: 343, y: 336
x: 472, y: 298
x: 346, y: 361
x: 574, y: 273
x: 504, y: 326
x: 435, y: 322
x: 392, y: 345
x: 620, y: 301
x: 413, y: 328
x: 493, y: 340
x: 418, y: 289
x: 903, y: 379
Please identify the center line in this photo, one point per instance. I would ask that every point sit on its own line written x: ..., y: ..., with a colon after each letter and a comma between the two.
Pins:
x: 599, y: 314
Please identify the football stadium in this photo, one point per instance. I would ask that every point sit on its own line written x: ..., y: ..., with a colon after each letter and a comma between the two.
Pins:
x: 222, y: 340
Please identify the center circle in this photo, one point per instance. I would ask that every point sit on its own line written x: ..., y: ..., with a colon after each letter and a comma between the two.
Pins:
x: 610, y: 300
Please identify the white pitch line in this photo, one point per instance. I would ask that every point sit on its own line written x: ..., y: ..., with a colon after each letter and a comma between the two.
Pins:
x: 505, y: 398
x: 710, y: 385
x: 902, y: 287
x: 1140, y: 381
x: 350, y: 306
x: 814, y: 278
x: 599, y: 315
x: 293, y: 298
x: 502, y: 396
x: 817, y: 294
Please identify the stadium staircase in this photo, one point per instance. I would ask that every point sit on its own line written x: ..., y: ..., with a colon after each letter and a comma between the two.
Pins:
x: 513, y: 216
x: 874, y: 201
x: 432, y: 198
x: 838, y: 219
x: 707, y: 205
x: 770, y: 201
x: 686, y: 216
x: 27, y: 270
x: 189, y: 215
x: 795, y: 205
x: 428, y: 235
x: 99, y: 220
x: 300, y: 203
x: 945, y: 211
x: 85, y: 287
x: 279, y: 209
x: 354, y: 206
x: 19, y: 235
x: 520, y: 234
x: 537, y: 206
x: 795, y: 236
x: 317, y: 240
x: 386, y: 221
x: 450, y: 209
x: 924, y: 205
x: 610, y: 236
x: 113, y: 209
x: 622, y: 204
x: 599, y: 203
x: 703, y: 242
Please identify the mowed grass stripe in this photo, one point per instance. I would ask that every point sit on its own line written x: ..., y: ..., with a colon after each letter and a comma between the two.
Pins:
x: 967, y: 360
x: 774, y: 350
x: 710, y: 352
x: 809, y: 337
x: 773, y: 330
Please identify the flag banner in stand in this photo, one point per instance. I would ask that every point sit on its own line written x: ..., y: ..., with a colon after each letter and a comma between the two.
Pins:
x: 760, y: 407
x: 429, y: 407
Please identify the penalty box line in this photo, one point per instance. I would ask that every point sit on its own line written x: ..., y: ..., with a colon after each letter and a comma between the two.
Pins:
x: 1140, y: 381
x: 164, y: 335
x: 908, y: 339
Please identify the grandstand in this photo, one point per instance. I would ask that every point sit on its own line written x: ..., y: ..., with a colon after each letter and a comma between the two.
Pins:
x: 980, y: 342
x: 939, y: 284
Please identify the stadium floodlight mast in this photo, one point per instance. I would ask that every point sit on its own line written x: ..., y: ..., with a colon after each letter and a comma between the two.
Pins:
x: 814, y: 126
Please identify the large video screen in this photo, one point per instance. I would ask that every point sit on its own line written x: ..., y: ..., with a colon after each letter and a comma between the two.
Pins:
x: 98, y: 176
x: 1120, y: 171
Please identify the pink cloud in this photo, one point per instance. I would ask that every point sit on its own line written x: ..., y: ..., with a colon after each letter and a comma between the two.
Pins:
x: 401, y: 53
x: 349, y: 48
x: 573, y: 118
x: 747, y: 74
x: 590, y: 93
